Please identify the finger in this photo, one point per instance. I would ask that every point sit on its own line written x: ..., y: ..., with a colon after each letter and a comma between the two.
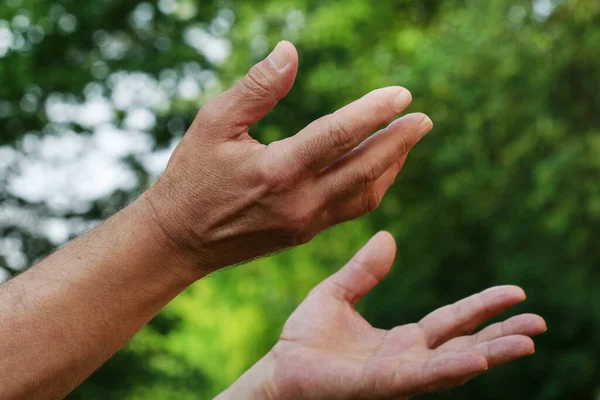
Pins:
x: 368, y: 200
x: 256, y: 94
x: 465, y: 315
x: 505, y: 349
x: 358, y: 171
x: 441, y: 372
x: 524, y: 324
x: 363, y: 271
x: 329, y: 138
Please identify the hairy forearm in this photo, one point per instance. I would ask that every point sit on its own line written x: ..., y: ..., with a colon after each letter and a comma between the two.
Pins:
x: 75, y: 309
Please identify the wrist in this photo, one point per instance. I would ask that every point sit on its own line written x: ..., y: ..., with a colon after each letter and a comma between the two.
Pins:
x: 168, y: 249
x: 208, y: 234
x: 255, y: 384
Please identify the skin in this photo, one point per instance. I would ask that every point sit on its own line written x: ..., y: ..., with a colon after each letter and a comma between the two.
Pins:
x: 328, y: 351
x: 225, y: 190
x: 224, y: 199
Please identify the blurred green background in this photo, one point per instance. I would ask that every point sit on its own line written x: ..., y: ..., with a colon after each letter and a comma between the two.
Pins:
x: 506, y: 189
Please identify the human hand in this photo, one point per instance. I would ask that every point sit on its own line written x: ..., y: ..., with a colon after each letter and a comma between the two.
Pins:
x: 226, y: 198
x: 328, y: 351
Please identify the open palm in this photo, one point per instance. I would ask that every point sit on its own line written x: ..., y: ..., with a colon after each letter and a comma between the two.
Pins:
x: 328, y: 351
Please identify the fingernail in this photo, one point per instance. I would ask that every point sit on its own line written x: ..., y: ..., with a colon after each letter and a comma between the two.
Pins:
x: 279, y: 57
x: 403, y: 99
x: 425, y: 125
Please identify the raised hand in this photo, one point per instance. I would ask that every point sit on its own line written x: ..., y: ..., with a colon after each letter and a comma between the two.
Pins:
x: 224, y: 190
x: 328, y: 351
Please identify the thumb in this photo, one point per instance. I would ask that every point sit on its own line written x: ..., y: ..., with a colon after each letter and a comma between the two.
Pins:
x: 364, y: 271
x: 257, y: 93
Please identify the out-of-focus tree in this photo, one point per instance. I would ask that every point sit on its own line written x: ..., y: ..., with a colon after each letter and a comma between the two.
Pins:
x: 506, y: 189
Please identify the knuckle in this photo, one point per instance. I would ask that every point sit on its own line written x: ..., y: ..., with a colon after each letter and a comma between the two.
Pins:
x: 403, y: 145
x: 277, y: 180
x: 345, y: 138
x: 259, y: 83
x: 384, y: 109
x: 372, y: 200
x: 281, y: 172
x: 297, y: 220
x: 270, y: 175
x: 367, y: 175
x: 296, y: 223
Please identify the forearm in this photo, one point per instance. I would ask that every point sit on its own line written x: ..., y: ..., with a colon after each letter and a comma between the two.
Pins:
x: 75, y: 309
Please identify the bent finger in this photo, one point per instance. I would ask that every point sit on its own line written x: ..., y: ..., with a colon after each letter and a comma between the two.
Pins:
x: 465, y: 315
x: 360, y: 169
x: 441, y: 372
x: 367, y: 201
x: 505, y: 349
x: 524, y: 324
x: 329, y: 138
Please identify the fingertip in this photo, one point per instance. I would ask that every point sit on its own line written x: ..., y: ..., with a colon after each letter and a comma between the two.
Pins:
x: 539, y: 324
x: 403, y: 98
x: 479, y: 363
x: 528, y: 345
x: 515, y: 293
x: 406, y: 91
x: 386, y: 242
x: 385, y: 236
x: 481, y: 368
x: 289, y: 46
x: 506, y: 349
x: 379, y: 252
x: 521, y: 291
x: 292, y: 51
x: 544, y: 326
x: 525, y: 324
x: 426, y: 123
x: 419, y: 121
x: 515, y: 346
x: 518, y: 292
x: 396, y: 98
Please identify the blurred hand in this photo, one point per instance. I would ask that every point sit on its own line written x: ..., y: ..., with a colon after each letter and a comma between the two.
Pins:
x: 328, y: 351
x: 226, y: 198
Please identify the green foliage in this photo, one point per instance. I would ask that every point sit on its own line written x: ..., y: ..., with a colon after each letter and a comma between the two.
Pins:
x: 506, y: 189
